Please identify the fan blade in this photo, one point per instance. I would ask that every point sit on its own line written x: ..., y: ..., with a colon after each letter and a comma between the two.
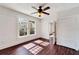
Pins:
x: 34, y: 8
x: 34, y: 12
x: 45, y: 13
x: 46, y: 8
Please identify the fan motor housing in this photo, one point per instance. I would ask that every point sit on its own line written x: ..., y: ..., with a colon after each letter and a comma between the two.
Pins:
x: 40, y: 10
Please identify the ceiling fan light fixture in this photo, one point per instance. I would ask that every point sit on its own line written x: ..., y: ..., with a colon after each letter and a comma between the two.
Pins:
x: 40, y: 14
x: 41, y: 10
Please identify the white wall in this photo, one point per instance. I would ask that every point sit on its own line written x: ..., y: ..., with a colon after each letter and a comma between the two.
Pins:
x: 68, y: 28
x: 45, y: 29
x: 9, y: 27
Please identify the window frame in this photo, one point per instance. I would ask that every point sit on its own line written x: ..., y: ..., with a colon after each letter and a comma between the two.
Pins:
x: 28, y: 32
x: 34, y: 29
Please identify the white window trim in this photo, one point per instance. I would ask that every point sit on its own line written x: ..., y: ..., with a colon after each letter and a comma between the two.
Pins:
x: 28, y: 34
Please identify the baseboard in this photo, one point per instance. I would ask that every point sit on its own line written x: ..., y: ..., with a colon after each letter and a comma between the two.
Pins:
x: 37, y: 39
x: 67, y: 47
x: 20, y: 44
x: 44, y: 39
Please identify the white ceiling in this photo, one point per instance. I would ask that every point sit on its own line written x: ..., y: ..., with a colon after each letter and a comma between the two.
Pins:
x: 27, y: 7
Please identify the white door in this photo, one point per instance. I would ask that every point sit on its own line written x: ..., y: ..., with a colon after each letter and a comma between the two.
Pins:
x: 52, y: 31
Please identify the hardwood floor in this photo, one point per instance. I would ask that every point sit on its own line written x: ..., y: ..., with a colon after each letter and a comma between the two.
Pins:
x: 48, y: 50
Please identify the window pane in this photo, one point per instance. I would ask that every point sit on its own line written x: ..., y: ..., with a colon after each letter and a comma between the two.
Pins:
x: 22, y: 27
x: 32, y: 27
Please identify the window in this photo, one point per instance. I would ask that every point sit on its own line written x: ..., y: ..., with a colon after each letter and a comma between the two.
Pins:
x: 26, y: 27
x: 32, y: 27
x: 22, y: 27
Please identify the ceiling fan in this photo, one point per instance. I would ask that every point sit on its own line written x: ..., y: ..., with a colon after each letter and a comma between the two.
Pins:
x: 41, y: 10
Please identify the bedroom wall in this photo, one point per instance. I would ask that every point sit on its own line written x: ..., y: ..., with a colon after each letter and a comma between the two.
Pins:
x: 45, y: 28
x: 8, y: 28
x: 68, y: 28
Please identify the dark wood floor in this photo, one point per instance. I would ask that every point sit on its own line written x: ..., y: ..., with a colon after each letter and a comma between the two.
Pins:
x: 48, y: 50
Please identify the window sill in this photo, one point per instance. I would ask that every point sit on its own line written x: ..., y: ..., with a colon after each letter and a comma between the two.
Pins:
x: 26, y: 36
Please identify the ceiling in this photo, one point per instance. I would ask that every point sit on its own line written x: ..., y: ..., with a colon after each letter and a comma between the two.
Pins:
x: 27, y: 7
